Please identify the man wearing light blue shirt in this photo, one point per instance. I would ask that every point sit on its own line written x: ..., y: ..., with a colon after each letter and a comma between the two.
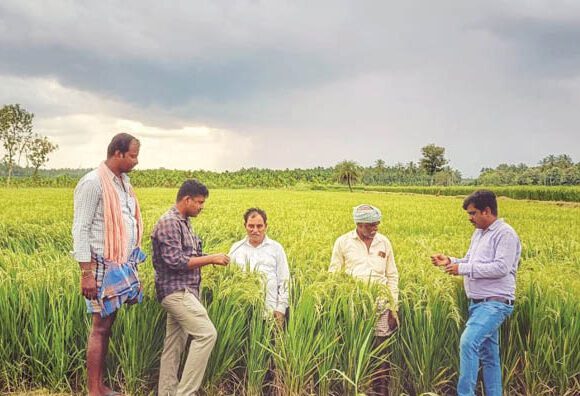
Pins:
x: 489, y: 276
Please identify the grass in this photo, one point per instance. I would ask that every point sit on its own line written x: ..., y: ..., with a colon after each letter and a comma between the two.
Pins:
x: 326, y: 347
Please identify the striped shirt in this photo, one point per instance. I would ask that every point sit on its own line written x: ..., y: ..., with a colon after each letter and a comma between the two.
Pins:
x: 89, y: 223
x: 490, y: 265
x: 173, y: 245
x: 269, y: 259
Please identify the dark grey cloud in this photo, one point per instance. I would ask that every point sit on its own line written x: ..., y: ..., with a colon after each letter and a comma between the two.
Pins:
x: 307, y: 83
x: 308, y: 48
x: 542, y: 47
x: 144, y: 82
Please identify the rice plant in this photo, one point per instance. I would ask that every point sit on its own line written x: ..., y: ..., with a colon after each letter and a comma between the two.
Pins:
x: 326, y: 348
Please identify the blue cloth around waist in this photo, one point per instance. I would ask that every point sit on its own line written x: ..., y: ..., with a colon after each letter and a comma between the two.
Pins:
x: 119, y: 282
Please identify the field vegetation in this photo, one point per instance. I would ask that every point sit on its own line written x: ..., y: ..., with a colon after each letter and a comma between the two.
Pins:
x: 318, y: 179
x: 429, y: 172
x: 326, y: 348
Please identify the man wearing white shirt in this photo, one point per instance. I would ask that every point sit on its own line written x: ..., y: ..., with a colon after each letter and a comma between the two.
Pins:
x: 259, y: 253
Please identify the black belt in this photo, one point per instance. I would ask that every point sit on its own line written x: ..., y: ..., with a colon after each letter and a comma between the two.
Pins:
x: 500, y: 299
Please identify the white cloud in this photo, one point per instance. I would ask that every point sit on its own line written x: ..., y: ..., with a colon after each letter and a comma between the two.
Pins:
x: 83, y: 140
x: 83, y: 123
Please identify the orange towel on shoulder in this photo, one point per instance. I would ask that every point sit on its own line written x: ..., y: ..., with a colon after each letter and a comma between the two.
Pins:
x: 115, y: 232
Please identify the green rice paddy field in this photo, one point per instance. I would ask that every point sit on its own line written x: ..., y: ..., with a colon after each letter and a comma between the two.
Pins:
x: 327, y: 346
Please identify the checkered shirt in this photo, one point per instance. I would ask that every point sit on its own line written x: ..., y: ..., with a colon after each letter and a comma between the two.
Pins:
x: 173, y: 245
x: 89, y: 222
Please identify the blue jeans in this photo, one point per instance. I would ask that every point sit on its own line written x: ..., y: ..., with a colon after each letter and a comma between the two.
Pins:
x: 479, y: 341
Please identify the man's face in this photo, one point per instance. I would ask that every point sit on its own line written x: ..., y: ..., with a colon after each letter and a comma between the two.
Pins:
x: 194, y: 205
x: 256, y: 229
x: 479, y: 218
x: 367, y: 230
x: 130, y: 159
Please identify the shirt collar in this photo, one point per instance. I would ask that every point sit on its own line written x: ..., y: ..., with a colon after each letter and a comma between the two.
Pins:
x: 113, y: 177
x: 354, y: 235
x: 493, y: 226
x: 175, y: 213
x: 265, y: 242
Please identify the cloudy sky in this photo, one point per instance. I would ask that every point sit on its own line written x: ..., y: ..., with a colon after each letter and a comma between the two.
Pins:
x: 285, y: 84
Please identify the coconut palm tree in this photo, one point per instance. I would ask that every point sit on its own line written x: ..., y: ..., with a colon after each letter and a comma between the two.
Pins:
x: 348, y: 172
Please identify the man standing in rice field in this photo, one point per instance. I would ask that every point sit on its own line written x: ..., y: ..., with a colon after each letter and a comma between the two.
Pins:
x: 489, y: 276
x: 366, y: 254
x: 262, y: 254
x: 107, y: 230
x: 257, y: 252
x: 178, y: 258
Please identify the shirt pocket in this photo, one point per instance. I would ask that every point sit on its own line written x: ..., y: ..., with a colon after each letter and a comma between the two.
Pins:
x: 378, y: 264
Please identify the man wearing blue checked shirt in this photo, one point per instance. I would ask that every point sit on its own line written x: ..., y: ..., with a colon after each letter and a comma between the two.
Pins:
x: 489, y: 276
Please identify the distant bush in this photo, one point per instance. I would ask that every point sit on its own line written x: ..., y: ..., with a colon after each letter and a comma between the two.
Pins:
x: 318, y: 179
x: 538, y: 193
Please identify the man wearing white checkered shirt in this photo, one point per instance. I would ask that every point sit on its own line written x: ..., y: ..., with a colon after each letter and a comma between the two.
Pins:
x: 104, y: 202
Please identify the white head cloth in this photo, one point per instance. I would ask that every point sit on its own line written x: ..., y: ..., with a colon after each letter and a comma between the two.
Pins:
x: 366, y: 214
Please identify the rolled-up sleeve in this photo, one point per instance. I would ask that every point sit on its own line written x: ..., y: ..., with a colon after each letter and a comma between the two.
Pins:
x: 168, y: 238
x: 463, y: 266
x: 462, y: 261
x: 86, y: 199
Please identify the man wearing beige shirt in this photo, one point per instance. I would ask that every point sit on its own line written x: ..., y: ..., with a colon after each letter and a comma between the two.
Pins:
x: 366, y: 254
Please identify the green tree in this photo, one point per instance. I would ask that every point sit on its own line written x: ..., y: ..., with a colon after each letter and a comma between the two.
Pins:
x: 38, y: 150
x: 348, y: 172
x: 447, y: 177
x: 15, y: 134
x: 433, y: 159
x: 530, y: 176
x: 562, y: 161
x: 548, y: 162
x: 553, y: 176
x: 571, y: 175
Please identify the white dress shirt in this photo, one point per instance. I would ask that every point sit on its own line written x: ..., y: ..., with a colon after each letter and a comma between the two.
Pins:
x: 269, y: 259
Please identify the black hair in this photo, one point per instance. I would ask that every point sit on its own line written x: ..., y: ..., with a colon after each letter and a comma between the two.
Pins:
x: 192, y: 188
x: 259, y: 211
x: 120, y: 142
x: 482, y: 199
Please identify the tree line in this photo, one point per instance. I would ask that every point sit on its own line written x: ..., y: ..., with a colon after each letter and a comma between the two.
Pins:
x: 20, y: 144
x: 553, y: 170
